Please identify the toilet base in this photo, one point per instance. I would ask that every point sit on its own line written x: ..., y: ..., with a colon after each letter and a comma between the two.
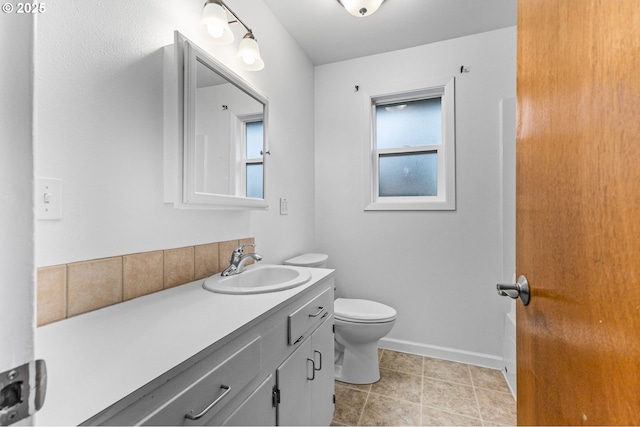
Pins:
x: 357, y: 365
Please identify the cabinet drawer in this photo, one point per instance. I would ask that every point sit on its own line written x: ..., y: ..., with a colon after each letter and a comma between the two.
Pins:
x: 222, y: 383
x: 309, y: 316
x: 257, y: 409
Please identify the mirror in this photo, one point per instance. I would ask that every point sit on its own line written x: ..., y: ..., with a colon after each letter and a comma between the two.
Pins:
x: 224, y: 128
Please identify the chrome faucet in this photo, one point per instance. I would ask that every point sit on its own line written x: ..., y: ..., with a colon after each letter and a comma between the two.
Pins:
x: 238, y: 259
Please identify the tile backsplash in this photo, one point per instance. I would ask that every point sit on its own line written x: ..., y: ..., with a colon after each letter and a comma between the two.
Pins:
x: 71, y: 289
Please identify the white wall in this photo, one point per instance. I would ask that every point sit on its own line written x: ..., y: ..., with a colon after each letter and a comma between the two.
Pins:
x: 438, y: 269
x: 98, y: 104
x: 17, y: 273
x: 100, y: 123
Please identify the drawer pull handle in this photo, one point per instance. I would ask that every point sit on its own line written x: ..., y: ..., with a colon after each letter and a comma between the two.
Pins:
x: 320, y: 310
x: 314, y: 364
x: 226, y: 389
x: 313, y: 371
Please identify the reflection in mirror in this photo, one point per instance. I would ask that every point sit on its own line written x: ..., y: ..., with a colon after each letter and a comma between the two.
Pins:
x: 229, y: 137
x: 224, y: 135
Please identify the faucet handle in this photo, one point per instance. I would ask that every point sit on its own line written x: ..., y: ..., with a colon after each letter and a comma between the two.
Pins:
x: 240, y: 249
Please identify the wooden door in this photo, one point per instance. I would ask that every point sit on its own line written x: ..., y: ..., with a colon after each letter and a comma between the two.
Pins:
x: 578, y: 211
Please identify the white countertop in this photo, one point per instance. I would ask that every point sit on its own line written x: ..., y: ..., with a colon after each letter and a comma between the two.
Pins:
x: 95, y: 359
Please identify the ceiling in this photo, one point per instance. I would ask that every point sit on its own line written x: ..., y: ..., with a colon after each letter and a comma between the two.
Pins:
x: 328, y: 33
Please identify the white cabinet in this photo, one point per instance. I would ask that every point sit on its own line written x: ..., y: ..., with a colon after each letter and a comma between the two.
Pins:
x: 294, y: 384
x: 276, y: 370
x: 258, y: 409
x: 305, y: 380
x: 322, y: 391
x: 203, y: 398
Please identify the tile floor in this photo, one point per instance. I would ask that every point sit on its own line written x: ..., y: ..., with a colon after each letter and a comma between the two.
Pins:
x: 421, y: 391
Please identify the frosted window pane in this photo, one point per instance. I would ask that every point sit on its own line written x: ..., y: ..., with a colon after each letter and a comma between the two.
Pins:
x: 254, y: 140
x: 254, y: 181
x: 403, y: 175
x: 409, y: 124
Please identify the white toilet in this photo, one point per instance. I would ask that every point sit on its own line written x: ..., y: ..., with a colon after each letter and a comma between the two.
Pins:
x: 359, y: 325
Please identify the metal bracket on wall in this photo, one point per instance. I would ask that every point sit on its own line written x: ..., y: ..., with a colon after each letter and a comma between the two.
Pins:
x: 22, y: 391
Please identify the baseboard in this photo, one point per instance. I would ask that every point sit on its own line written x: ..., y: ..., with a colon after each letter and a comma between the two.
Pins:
x: 510, y: 385
x: 452, y: 354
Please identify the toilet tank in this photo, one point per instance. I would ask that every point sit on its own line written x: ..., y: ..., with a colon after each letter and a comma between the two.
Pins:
x: 309, y: 260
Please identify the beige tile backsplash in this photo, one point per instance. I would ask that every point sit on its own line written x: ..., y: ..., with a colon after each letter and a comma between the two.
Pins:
x: 207, y: 260
x: 93, y: 284
x: 142, y: 274
x: 71, y: 289
x: 179, y: 266
x: 52, y: 293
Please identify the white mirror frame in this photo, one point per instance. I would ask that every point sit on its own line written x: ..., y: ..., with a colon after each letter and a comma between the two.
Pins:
x: 180, y: 130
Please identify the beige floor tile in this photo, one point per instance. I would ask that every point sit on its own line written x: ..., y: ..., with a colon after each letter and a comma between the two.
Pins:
x: 361, y: 387
x: 398, y: 385
x: 451, y: 397
x: 450, y: 394
x: 436, y: 417
x: 403, y: 362
x: 491, y: 379
x: 349, y: 405
x: 496, y: 408
x: 385, y: 411
x: 447, y: 370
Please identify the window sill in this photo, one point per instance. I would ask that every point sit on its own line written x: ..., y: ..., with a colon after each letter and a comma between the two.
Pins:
x: 411, y: 205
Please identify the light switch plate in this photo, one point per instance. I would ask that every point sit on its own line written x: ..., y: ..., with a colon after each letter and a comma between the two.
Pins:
x: 48, y: 198
x: 284, y: 206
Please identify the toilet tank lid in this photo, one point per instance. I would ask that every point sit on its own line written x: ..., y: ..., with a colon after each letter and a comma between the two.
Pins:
x: 362, y: 310
x: 308, y: 260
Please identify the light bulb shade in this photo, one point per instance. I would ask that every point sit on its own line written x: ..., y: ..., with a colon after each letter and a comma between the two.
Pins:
x: 215, y: 18
x: 249, y: 54
x: 361, y: 8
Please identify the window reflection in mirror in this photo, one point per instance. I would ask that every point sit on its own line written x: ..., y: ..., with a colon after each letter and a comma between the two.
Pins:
x: 254, y: 135
x: 229, y: 138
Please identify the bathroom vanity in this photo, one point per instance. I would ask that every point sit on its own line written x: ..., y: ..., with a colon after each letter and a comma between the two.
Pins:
x: 187, y: 356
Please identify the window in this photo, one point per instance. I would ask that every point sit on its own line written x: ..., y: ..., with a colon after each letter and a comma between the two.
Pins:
x: 253, y: 159
x: 412, y: 156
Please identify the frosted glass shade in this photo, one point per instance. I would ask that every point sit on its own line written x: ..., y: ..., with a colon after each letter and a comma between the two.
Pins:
x: 409, y: 175
x: 361, y: 8
x: 215, y: 18
x: 249, y: 54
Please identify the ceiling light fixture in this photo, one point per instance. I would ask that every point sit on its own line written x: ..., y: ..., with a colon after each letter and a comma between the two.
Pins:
x: 214, y: 16
x: 361, y: 8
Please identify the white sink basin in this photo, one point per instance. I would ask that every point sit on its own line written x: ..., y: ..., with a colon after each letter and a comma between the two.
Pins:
x: 259, y: 278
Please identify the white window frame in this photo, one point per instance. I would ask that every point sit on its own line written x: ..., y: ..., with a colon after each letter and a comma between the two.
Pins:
x: 446, y: 195
x: 241, y: 132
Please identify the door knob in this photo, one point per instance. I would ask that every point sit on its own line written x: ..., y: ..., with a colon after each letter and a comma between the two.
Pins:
x: 518, y: 290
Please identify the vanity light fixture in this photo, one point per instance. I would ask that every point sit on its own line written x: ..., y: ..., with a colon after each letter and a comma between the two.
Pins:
x: 361, y: 8
x: 214, y: 16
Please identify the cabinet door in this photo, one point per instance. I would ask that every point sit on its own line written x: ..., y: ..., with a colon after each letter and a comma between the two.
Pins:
x: 293, y: 378
x: 257, y: 409
x: 322, y: 387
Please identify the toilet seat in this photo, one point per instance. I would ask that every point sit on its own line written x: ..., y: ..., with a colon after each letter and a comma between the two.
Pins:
x: 362, y: 311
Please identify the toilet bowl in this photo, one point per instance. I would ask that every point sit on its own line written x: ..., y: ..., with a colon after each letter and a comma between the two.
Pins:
x: 359, y: 326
